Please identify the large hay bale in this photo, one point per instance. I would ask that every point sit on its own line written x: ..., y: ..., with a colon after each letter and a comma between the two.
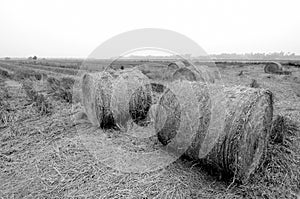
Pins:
x: 184, y: 74
x: 273, y: 67
x: 208, y: 73
x: 4, y: 73
x: 96, y: 96
x: 183, y: 103
x: 176, y: 65
x: 246, y: 131
x: 153, y: 70
x: 123, y: 87
x: 113, y: 100
x: 142, y: 104
x: 196, y: 73
x: 241, y: 142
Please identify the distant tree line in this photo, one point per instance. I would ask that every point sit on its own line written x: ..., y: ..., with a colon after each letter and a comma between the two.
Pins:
x: 258, y: 56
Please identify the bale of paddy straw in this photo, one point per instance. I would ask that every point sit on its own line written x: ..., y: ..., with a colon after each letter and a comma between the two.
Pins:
x: 195, y: 73
x: 96, y: 96
x: 240, y: 143
x: 184, y: 74
x: 181, y: 104
x: 176, y: 65
x: 109, y: 99
x: 143, y: 102
x: 123, y: 87
x: 273, y: 68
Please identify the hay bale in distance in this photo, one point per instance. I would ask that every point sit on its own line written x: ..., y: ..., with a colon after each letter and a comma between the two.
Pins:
x: 176, y: 65
x: 184, y: 74
x: 195, y: 73
x: 273, y: 68
x: 4, y: 73
x: 239, y: 145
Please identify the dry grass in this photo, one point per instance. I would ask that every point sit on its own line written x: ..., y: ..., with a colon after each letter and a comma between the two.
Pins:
x: 61, y: 88
x: 38, y: 100
x: 254, y: 84
x: 6, y: 114
x: 276, y: 68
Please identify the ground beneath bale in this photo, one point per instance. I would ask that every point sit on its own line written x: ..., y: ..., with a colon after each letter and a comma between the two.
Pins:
x: 49, y: 156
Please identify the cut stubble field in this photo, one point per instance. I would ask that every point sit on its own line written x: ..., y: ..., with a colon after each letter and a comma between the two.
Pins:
x: 45, y: 154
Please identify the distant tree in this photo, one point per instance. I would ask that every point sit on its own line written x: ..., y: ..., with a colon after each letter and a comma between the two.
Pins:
x: 29, y: 58
x: 7, y: 58
x: 34, y: 58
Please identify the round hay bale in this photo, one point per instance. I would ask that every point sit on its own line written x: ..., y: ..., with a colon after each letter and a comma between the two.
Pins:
x: 195, y: 73
x: 243, y: 139
x: 96, y: 96
x: 4, y: 73
x: 208, y: 73
x: 273, y: 68
x: 122, y: 105
x: 246, y: 131
x: 176, y: 65
x: 142, y: 104
x: 184, y: 74
x: 187, y: 109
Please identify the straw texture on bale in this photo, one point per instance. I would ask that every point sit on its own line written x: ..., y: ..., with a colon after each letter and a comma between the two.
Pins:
x: 123, y: 87
x: 186, y: 107
x: 246, y: 131
x: 241, y: 142
x: 96, y: 97
x: 273, y: 67
x: 144, y: 99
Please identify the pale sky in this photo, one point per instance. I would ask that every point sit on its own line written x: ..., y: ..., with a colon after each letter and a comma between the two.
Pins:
x: 56, y: 28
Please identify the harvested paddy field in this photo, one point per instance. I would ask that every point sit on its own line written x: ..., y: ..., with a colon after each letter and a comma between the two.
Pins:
x: 50, y: 149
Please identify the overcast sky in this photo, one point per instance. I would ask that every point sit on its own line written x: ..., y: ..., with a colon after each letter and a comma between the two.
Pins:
x: 56, y: 28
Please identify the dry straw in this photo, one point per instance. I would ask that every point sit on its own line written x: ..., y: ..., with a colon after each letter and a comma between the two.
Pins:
x: 239, y: 146
x: 61, y: 87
